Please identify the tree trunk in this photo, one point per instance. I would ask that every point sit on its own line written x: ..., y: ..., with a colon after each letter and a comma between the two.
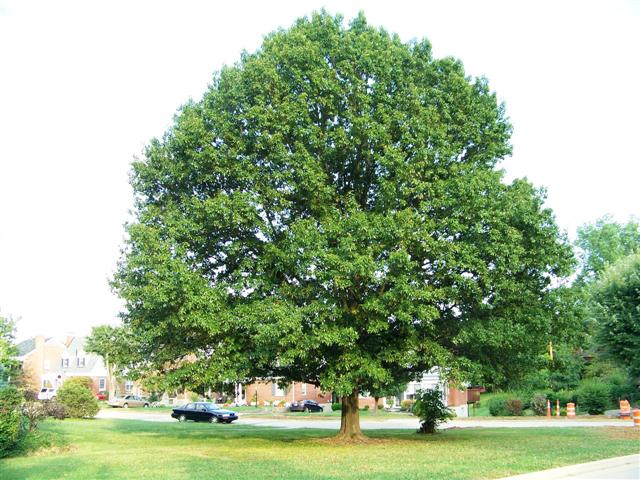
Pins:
x: 111, y: 379
x: 350, y: 419
x: 375, y: 405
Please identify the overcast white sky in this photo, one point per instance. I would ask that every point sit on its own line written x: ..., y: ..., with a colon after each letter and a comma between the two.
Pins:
x: 84, y: 85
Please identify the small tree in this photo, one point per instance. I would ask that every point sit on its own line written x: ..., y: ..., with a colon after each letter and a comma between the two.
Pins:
x: 431, y: 410
x: 114, y: 345
x: 78, y: 400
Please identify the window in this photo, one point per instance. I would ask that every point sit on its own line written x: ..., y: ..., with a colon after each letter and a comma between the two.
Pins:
x: 65, y: 363
x: 102, y: 384
x: 128, y: 386
x: 80, y: 361
x: 304, y: 389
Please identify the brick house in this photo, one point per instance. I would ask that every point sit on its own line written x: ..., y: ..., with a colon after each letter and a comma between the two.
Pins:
x: 269, y: 391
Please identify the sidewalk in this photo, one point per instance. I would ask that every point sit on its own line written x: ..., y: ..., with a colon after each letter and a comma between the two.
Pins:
x: 619, y: 468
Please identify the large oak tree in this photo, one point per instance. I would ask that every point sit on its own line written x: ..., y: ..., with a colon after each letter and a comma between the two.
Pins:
x: 330, y: 212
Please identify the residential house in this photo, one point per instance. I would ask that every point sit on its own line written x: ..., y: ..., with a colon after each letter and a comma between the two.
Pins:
x: 48, y: 362
x: 454, y: 398
x: 269, y: 391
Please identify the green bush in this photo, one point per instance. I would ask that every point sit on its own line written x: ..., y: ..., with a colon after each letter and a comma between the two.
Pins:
x: 431, y: 410
x: 496, y: 405
x: 406, y: 405
x: 78, y: 401
x: 593, y: 397
x: 621, y: 386
x: 564, y: 396
x: 505, y: 404
x: 513, y: 406
x: 86, y: 382
x: 539, y: 404
x: 56, y: 410
x: 11, y: 424
x: 336, y: 406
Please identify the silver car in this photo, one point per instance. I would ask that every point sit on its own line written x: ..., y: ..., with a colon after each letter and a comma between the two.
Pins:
x: 129, y: 401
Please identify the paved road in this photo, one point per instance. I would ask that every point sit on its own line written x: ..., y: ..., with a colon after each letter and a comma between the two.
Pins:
x: 388, y: 423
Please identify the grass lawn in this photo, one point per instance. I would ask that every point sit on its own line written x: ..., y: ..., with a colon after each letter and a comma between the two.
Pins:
x: 128, y: 449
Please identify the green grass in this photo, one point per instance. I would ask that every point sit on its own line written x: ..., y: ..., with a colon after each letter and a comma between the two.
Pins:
x: 128, y: 449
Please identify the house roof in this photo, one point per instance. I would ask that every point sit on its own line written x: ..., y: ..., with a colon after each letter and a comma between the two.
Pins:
x: 26, y: 346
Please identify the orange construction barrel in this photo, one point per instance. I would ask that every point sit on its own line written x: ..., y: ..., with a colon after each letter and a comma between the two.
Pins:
x: 636, y: 417
x: 625, y: 409
x: 571, y: 410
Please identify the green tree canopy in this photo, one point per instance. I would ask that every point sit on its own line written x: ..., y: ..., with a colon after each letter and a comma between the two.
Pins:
x: 616, y: 297
x: 330, y: 212
x: 604, y: 242
x: 116, y: 345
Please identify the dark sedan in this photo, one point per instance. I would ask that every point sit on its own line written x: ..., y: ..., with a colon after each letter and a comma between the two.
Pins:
x: 203, y: 412
x: 305, y: 406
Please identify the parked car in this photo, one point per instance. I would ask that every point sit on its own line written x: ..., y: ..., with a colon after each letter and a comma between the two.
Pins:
x: 305, y: 406
x: 129, y: 401
x: 47, y: 393
x: 203, y: 412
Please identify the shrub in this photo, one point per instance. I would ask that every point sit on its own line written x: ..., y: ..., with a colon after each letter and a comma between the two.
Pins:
x: 366, y: 407
x: 56, y: 410
x: 406, y: 405
x: 336, y: 406
x: 77, y: 400
x: 34, y: 413
x: 194, y: 397
x: 539, y: 404
x: 496, y: 405
x: 380, y: 406
x: 593, y: 397
x: 505, y: 404
x: 564, y: 396
x: 10, y: 419
x: 621, y: 387
x: 431, y: 410
x: 86, y: 382
x: 513, y: 406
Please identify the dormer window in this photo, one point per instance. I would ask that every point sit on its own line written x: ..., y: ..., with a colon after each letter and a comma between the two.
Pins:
x: 81, y: 361
x: 65, y: 363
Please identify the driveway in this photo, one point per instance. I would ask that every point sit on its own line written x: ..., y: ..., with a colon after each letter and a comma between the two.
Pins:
x: 367, y: 424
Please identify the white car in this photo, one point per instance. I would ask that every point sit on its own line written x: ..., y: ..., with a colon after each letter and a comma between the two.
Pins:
x: 47, y: 393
